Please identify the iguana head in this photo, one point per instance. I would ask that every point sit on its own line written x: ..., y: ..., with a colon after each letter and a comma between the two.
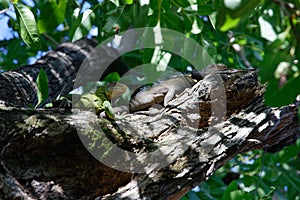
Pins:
x: 111, y: 91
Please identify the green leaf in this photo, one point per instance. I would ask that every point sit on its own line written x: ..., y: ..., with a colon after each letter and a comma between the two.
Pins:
x: 193, y: 196
x: 277, y: 94
x: 82, y: 25
x: 126, y: 17
x: 72, y: 5
x: 111, y: 22
x: 15, y: 46
x: 171, y: 21
x: 140, y: 15
x: 266, y: 30
x: 52, y: 14
x: 154, y: 4
x: 231, y: 187
x: 112, y: 77
x: 271, y: 60
x: 4, y: 4
x: 229, y: 23
x: 42, y: 86
x: 283, y: 96
x: 232, y: 12
x: 180, y: 3
x: 205, y: 10
x: 232, y: 4
x: 129, y: 1
x: 233, y: 193
x: 27, y: 26
x: 294, y: 181
x: 116, y: 2
x: 202, y: 1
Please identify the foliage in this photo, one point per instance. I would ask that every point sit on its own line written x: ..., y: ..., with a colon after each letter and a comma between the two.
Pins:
x: 239, y: 33
x: 243, y: 34
x: 255, y: 175
x: 27, y: 26
x: 42, y: 87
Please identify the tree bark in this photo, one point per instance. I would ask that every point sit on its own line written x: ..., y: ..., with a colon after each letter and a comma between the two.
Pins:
x: 18, y: 88
x: 173, y: 149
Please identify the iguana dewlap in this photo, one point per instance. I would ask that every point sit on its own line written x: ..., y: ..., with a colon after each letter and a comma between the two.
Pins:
x: 161, y: 93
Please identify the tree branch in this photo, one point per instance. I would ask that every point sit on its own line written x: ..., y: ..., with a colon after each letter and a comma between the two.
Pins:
x: 161, y: 153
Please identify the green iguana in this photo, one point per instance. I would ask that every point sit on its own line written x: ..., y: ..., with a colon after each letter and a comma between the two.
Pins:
x: 99, y: 101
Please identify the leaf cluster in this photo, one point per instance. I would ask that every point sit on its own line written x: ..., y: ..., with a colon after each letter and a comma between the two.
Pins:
x: 254, y: 175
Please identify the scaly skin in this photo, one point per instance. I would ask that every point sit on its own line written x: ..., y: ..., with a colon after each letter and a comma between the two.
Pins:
x: 100, y: 100
x: 111, y: 91
x: 165, y: 91
x: 162, y: 92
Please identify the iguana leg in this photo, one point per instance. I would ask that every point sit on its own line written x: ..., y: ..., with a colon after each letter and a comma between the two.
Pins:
x: 169, y: 96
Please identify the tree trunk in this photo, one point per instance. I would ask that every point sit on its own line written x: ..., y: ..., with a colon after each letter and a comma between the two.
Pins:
x: 55, y: 153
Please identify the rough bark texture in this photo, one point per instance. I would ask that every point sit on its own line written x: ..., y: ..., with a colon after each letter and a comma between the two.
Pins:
x: 18, y: 88
x: 42, y: 156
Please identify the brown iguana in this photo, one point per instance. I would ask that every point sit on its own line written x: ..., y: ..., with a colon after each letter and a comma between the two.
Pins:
x: 165, y: 91
x: 162, y: 92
